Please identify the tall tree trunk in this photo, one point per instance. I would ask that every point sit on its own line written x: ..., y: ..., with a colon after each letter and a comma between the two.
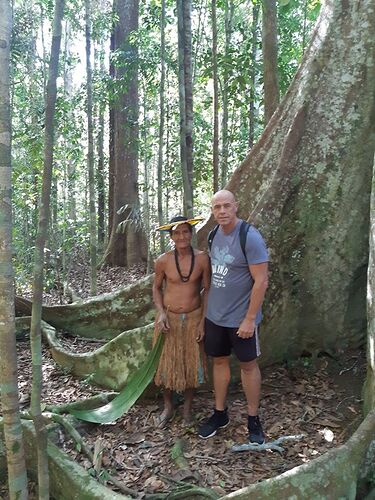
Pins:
x: 253, y: 75
x: 127, y: 244
x: 44, y: 213
x: 17, y: 479
x: 270, y: 70
x: 146, y: 177
x: 229, y: 8
x: 306, y: 185
x: 111, y: 165
x: 185, y: 84
x: 215, y: 144
x: 161, y: 123
x: 100, y: 171
x: 90, y: 151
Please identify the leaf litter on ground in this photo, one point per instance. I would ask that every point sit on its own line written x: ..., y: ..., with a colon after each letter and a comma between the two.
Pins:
x: 301, y: 397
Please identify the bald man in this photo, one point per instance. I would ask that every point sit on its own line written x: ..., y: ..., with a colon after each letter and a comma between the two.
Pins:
x: 238, y: 286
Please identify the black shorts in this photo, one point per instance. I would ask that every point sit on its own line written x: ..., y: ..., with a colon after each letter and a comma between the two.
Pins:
x: 220, y: 340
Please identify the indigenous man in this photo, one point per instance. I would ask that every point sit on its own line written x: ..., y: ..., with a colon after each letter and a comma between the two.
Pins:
x: 180, y: 277
x: 235, y: 298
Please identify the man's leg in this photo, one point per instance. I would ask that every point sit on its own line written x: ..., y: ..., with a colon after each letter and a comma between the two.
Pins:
x: 168, y: 411
x: 221, y: 376
x: 251, y: 381
x: 188, y: 403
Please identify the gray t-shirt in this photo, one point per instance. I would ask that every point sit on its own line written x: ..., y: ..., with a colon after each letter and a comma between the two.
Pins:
x: 231, y: 282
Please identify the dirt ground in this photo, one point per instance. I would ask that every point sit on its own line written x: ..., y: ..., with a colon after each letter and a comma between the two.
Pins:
x: 319, y: 398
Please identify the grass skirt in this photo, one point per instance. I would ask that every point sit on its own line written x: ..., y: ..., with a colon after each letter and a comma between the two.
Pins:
x: 183, y: 362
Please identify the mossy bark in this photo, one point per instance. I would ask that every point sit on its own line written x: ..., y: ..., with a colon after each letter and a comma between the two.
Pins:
x: 103, y: 316
x: 369, y: 387
x: 110, y: 365
x: 67, y: 479
x: 306, y: 186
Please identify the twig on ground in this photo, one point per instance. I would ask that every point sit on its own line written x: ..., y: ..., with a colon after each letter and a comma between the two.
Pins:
x: 272, y: 445
x: 350, y: 368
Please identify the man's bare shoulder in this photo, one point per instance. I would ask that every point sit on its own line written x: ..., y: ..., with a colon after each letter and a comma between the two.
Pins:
x: 163, y: 259
x: 201, y: 256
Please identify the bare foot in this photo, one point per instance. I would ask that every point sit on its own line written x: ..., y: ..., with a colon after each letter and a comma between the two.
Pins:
x: 187, y: 416
x: 165, y: 417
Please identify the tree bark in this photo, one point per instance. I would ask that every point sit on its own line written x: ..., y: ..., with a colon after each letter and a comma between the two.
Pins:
x: 17, y: 479
x: 44, y: 213
x: 101, y: 170
x: 369, y: 388
x: 215, y: 143
x: 161, y: 124
x: 127, y: 244
x: 270, y: 70
x: 229, y: 8
x: 306, y: 185
x: 253, y: 75
x: 185, y: 85
x: 90, y: 151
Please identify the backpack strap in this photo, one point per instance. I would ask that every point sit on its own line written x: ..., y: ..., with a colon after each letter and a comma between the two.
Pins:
x: 211, y: 236
x: 244, y: 229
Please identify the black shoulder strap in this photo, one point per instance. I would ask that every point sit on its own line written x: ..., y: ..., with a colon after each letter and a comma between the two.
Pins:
x: 244, y: 229
x: 211, y: 236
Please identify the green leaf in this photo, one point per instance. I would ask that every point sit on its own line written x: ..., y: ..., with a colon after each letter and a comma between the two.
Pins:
x: 283, y: 2
x: 129, y: 395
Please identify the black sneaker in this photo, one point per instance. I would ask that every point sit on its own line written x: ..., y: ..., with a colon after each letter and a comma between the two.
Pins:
x: 256, y: 434
x: 218, y: 420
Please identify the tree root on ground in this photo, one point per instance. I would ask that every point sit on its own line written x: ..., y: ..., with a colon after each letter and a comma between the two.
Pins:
x: 67, y: 479
x: 82, y: 445
x: 332, y: 475
x: 110, y: 365
x: 83, y: 404
x: 101, y: 317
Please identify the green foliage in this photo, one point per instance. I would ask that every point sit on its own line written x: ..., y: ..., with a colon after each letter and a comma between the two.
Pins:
x: 30, y: 55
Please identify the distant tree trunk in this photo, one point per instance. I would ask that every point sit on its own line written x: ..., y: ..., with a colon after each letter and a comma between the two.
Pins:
x: 215, y: 144
x: 111, y: 166
x: 44, y: 213
x: 306, y: 185
x: 100, y: 171
x: 253, y: 74
x: 225, y: 96
x: 185, y: 84
x: 146, y: 177
x: 161, y: 124
x: 270, y: 69
x: 68, y: 195
x: 127, y: 244
x: 17, y: 479
x: 90, y: 151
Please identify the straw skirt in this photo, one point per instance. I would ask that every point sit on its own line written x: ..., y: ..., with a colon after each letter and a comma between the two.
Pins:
x: 183, y: 362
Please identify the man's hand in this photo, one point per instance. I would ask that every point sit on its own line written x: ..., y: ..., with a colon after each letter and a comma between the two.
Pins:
x: 200, y: 331
x: 162, y: 323
x: 246, y: 328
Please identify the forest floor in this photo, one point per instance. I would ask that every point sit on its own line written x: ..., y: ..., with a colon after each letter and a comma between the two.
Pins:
x: 319, y: 398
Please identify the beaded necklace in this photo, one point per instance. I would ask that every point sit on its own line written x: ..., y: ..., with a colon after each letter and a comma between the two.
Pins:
x: 182, y: 277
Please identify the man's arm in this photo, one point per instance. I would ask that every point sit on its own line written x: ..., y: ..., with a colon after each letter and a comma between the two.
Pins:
x: 259, y: 273
x: 206, y: 281
x: 157, y: 295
